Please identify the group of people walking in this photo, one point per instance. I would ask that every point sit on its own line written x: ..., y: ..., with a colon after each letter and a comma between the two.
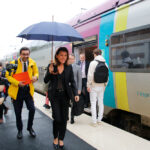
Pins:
x: 67, y: 80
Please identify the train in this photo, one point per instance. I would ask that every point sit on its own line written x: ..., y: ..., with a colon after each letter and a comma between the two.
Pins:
x: 116, y: 27
x: 121, y: 29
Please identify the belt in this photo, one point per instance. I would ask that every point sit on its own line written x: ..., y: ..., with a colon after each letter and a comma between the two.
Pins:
x: 26, y: 87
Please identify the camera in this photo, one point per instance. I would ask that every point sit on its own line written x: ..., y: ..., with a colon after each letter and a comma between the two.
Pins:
x: 2, y: 80
x: 9, y: 67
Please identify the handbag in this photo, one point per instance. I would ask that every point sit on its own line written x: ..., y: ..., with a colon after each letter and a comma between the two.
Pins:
x: 78, y: 107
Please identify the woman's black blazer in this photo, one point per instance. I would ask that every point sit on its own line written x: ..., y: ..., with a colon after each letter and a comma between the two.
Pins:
x: 70, y: 85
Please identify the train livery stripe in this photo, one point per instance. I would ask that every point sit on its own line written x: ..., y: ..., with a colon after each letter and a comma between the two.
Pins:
x: 120, y: 78
x: 106, y: 29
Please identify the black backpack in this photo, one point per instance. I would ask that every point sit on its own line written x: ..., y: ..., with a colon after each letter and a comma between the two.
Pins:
x: 101, y: 72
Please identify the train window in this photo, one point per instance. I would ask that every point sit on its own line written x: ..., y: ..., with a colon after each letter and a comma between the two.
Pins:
x: 131, y: 51
x: 137, y: 35
x: 117, y: 39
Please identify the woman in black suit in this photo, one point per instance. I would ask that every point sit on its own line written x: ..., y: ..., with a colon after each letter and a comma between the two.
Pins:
x: 61, y: 85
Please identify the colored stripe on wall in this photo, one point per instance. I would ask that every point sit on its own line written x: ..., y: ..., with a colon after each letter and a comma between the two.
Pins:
x: 106, y: 29
x: 120, y: 77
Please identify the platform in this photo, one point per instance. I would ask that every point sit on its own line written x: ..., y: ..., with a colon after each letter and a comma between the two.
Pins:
x: 43, y: 128
x: 79, y: 136
x: 102, y: 137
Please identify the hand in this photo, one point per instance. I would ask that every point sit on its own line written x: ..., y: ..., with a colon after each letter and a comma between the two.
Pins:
x: 21, y: 84
x: 76, y: 98
x: 34, y: 79
x: 79, y: 92
x: 88, y: 89
x: 51, y: 68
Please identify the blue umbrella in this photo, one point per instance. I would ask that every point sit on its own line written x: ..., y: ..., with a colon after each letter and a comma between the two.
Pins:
x: 51, y: 31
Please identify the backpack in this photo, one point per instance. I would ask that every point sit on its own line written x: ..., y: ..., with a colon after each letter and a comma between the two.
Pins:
x: 101, y: 72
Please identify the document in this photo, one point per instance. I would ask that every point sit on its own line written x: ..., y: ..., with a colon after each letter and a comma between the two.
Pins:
x: 23, y: 76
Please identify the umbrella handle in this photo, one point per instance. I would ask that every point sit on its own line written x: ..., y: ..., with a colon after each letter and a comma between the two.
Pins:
x: 52, y: 70
x: 51, y: 67
x: 52, y: 49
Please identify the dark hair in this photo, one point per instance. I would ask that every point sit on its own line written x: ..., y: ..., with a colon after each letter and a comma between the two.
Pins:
x: 97, y: 52
x: 125, y: 54
x: 61, y: 49
x: 24, y: 49
x: 82, y: 53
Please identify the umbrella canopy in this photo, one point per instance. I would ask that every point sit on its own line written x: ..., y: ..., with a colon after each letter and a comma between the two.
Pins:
x: 51, y: 31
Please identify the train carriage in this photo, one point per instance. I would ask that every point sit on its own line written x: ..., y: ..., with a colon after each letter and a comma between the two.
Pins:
x: 121, y: 29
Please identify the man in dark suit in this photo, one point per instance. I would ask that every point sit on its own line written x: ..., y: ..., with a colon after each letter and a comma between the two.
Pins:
x: 84, y: 65
x: 78, y: 80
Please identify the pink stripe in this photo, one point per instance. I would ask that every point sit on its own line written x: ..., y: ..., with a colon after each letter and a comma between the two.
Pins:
x: 89, y: 29
x: 109, y: 4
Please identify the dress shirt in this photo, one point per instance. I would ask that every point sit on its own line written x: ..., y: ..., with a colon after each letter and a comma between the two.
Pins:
x: 82, y: 65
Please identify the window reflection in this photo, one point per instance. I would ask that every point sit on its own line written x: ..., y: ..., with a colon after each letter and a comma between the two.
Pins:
x: 127, y: 62
x: 133, y: 56
x: 130, y: 50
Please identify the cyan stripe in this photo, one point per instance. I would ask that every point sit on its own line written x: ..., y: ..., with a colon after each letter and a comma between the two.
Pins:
x: 106, y: 29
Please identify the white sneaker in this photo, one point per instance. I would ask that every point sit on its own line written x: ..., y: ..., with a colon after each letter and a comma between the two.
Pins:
x: 93, y: 124
x: 99, y: 122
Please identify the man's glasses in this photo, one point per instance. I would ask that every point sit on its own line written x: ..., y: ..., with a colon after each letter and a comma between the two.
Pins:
x: 25, y: 54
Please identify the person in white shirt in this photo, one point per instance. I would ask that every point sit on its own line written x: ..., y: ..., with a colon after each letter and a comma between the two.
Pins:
x: 96, y: 90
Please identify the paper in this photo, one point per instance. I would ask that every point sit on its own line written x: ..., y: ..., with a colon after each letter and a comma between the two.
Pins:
x: 24, y: 77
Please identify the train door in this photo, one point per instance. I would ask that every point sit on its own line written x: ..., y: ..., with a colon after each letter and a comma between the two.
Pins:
x: 86, y: 47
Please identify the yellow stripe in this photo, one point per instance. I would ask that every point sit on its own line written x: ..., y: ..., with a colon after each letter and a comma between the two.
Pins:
x: 121, y: 19
x: 120, y: 78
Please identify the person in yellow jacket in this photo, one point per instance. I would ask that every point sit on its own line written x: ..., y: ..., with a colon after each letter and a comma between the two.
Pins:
x: 20, y: 92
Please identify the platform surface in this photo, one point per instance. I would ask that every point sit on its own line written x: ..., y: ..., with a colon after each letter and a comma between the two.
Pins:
x: 102, y: 137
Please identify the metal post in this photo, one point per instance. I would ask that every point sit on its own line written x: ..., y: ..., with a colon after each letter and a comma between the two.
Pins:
x: 52, y: 42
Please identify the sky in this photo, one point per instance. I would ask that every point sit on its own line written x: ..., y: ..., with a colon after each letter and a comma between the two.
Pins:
x: 16, y: 15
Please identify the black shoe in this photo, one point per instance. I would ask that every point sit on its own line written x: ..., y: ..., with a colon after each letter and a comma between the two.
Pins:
x: 46, y: 106
x: 19, y: 135
x: 56, y: 146
x: 72, y: 121
x: 62, y: 147
x: 32, y: 132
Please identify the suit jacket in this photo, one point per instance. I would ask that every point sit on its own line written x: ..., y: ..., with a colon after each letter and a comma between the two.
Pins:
x: 87, y: 63
x: 77, y: 75
x: 70, y: 85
